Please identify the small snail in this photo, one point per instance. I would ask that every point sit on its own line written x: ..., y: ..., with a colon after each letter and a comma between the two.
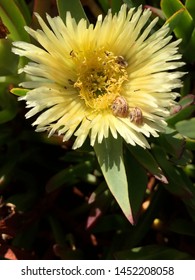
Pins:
x: 135, y: 115
x: 120, y: 107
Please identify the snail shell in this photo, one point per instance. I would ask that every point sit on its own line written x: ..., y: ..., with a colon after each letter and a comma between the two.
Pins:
x: 135, y: 115
x: 120, y: 107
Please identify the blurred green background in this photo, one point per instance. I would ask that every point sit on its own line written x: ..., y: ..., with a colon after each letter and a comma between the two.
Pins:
x: 54, y: 202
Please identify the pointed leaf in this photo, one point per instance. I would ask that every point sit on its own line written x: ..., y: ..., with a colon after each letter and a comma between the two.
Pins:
x: 187, y: 100
x: 8, y: 60
x: 137, y: 181
x: 74, y: 7
x: 145, y: 158
x: 14, y: 20
x: 175, y: 19
x: 186, y: 128
x: 24, y: 9
x: 110, y: 157
x: 183, y: 114
x: 176, y: 184
x: 104, y: 4
x: 185, y: 26
x: 188, y: 52
x: 19, y: 91
x: 190, y: 6
x: 116, y: 5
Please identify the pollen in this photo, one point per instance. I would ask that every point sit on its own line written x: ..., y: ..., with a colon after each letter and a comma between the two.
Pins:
x: 101, y: 77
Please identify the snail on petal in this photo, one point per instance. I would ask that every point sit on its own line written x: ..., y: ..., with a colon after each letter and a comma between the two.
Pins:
x: 135, y: 115
x: 120, y: 107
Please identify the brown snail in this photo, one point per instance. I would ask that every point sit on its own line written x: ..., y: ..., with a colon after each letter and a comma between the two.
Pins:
x: 120, y: 108
x: 135, y: 115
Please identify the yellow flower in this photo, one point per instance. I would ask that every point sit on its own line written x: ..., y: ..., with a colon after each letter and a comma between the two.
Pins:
x: 115, y: 77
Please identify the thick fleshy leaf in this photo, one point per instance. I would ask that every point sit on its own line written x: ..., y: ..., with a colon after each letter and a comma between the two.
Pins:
x: 111, y: 222
x: 190, y: 144
x: 185, y: 26
x: 188, y: 52
x: 24, y: 9
x: 190, y: 6
x: 186, y: 128
x: 14, y: 20
x: 110, y: 157
x: 143, y: 225
x: 145, y: 158
x: 183, y: 114
x: 8, y: 60
x: 74, y: 7
x: 175, y: 145
x: 186, y: 88
x: 187, y: 100
x: 104, y: 4
x: 174, y: 20
x: 116, y: 5
x: 137, y: 181
x: 19, y: 91
x: 176, y: 185
x: 9, y: 106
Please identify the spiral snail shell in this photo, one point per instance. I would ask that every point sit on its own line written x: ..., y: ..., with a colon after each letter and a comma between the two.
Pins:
x: 135, y: 115
x: 120, y: 107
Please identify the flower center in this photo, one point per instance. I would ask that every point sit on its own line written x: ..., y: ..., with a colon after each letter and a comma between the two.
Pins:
x: 100, y: 77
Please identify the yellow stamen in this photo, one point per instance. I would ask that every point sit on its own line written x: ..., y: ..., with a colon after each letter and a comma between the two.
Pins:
x: 100, y: 77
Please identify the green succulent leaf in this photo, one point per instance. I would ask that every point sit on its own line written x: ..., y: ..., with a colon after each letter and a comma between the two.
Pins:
x: 8, y: 60
x: 134, y: 3
x: 183, y: 114
x: 22, y: 5
x: 145, y: 158
x: 14, y: 20
x: 189, y: 50
x: 110, y: 157
x: 104, y: 4
x: 74, y: 7
x: 190, y: 6
x: 175, y: 19
x: 8, y: 103
x: 185, y: 25
x: 186, y: 128
x: 137, y: 181
x: 176, y: 185
x: 19, y: 91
